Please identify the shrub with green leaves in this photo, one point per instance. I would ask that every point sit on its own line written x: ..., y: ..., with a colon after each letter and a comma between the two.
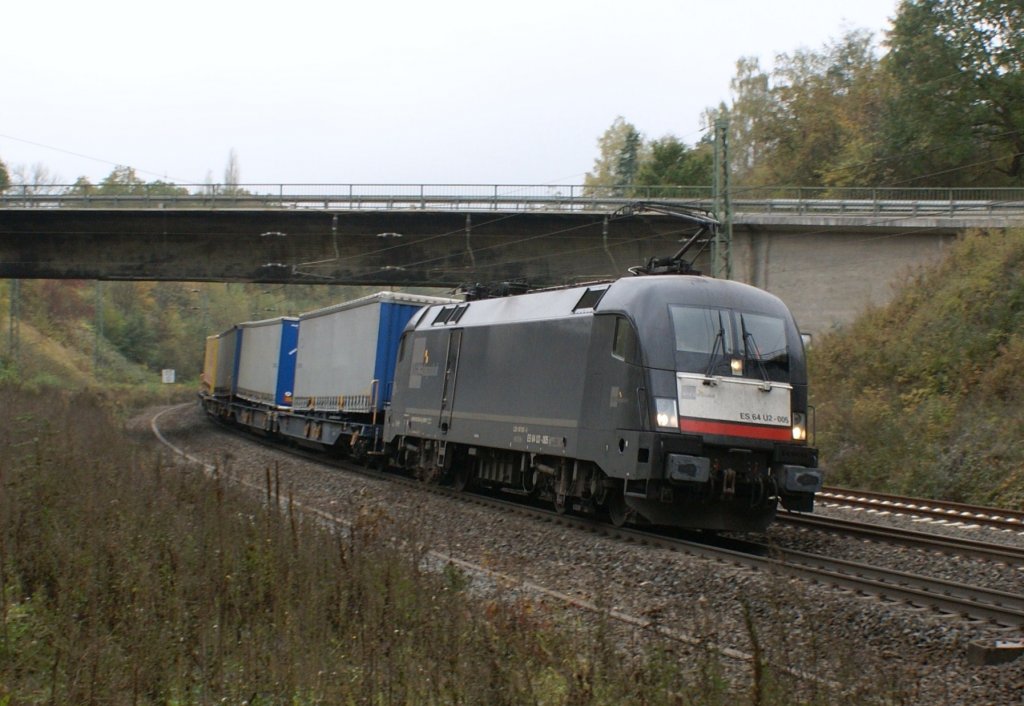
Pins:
x: 923, y: 396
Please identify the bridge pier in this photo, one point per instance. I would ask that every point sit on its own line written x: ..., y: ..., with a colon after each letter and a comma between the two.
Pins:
x: 829, y: 275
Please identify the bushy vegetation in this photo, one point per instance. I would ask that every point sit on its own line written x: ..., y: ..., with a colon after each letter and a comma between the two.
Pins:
x: 125, y: 580
x: 114, y: 333
x: 128, y: 582
x: 924, y: 396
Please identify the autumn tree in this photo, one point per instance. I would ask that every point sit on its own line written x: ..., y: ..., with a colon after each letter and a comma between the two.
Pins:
x: 957, y: 117
x: 34, y: 179
x: 863, y: 157
x: 123, y: 181
x: 620, y: 153
x: 752, y: 100
x: 232, y: 171
x: 669, y: 162
x: 233, y: 176
x: 816, y: 92
x: 627, y: 162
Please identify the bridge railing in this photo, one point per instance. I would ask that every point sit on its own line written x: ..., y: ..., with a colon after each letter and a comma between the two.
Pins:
x: 859, y: 201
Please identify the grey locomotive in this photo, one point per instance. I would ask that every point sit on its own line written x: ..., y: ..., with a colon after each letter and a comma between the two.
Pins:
x: 675, y: 400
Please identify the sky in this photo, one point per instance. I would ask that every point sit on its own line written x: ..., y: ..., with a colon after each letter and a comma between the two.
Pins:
x: 318, y: 92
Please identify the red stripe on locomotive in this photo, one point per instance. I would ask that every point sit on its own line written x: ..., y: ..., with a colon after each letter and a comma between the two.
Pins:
x: 749, y: 431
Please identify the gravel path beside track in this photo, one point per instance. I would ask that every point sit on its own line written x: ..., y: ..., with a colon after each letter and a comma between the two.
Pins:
x: 829, y: 633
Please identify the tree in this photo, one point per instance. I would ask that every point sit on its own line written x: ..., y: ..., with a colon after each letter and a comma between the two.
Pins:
x: 669, y: 162
x: 37, y: 179
x: 751, y: 100
x: 620, y: 148
x: 863, y: 157
x: 82, y: 186
x: 232, y: 173
x: 811, y: 121
x: 123, y: 181
x: 805, y: 126
x: 5, y: 178
x: 232, y: 177
x: 958, y: 113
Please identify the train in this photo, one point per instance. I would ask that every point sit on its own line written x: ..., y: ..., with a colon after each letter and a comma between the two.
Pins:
x: 671, y: 400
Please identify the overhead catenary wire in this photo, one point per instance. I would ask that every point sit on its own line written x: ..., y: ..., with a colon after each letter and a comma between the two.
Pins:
x: 88, y: 157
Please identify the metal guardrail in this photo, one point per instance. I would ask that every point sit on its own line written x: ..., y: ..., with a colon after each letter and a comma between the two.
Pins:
x: 863, y: 202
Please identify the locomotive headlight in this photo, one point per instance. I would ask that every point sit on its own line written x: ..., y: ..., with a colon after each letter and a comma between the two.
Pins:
x: 799, y: 427
x: 666, y: 413
x: 736, y: 366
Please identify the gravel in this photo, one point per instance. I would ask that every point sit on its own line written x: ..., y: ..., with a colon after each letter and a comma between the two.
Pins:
x: 878, y: 647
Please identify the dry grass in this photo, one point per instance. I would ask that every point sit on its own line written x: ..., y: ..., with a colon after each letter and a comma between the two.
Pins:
x: 923, y: 396
x: 123, y: 581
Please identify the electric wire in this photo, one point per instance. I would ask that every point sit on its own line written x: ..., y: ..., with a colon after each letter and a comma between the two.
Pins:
x: 85, y: 156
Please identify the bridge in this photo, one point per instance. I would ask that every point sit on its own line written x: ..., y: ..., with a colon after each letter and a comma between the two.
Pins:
x: 826, y: 252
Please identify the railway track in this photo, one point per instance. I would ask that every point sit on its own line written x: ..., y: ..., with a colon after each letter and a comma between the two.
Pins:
x: 948, y: 597
x: 1010, y: 520
x: 955, y: 598
x: 973, y: 602
x: 1009, y: 555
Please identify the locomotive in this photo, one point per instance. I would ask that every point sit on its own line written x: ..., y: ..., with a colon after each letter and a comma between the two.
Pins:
x: 669, y: 399
x: 676, y: 400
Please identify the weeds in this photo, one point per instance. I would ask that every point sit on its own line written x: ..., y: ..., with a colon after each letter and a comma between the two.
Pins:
x: 125, y: 581
x: 922, y: 396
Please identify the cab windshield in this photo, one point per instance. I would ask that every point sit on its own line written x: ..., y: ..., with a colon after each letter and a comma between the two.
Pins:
x: 730, y: 342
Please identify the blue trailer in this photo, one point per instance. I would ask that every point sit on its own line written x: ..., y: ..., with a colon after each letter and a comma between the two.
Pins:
x: 265, y: 371
x: 344, y: 369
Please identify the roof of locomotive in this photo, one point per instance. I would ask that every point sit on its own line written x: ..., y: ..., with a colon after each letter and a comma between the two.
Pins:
x: 629, y: 295
x: 636, y: 294
x: 534, y: 306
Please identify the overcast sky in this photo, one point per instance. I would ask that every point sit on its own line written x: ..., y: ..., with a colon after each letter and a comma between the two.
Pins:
x: 449, y: 91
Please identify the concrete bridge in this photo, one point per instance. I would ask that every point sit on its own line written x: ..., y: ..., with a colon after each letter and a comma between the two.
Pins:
x: 828, y: 254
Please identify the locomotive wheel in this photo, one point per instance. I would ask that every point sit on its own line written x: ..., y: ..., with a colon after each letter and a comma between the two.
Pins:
x: 618, y: 512
x: 359, y: 452
x: 460, y: 477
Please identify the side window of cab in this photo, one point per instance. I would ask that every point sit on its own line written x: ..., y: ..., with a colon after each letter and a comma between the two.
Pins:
x: 624, y: 342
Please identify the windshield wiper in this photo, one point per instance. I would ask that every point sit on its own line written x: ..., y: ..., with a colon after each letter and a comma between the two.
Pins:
x: 748, y: 344
x: 718, y: 344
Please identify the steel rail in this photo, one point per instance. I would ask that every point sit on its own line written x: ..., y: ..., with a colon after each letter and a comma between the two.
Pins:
x: 332, y: 519
x: 1013, y: 556
x: 974, y: 602
x: 943, y: 509
x: 977, y: 603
